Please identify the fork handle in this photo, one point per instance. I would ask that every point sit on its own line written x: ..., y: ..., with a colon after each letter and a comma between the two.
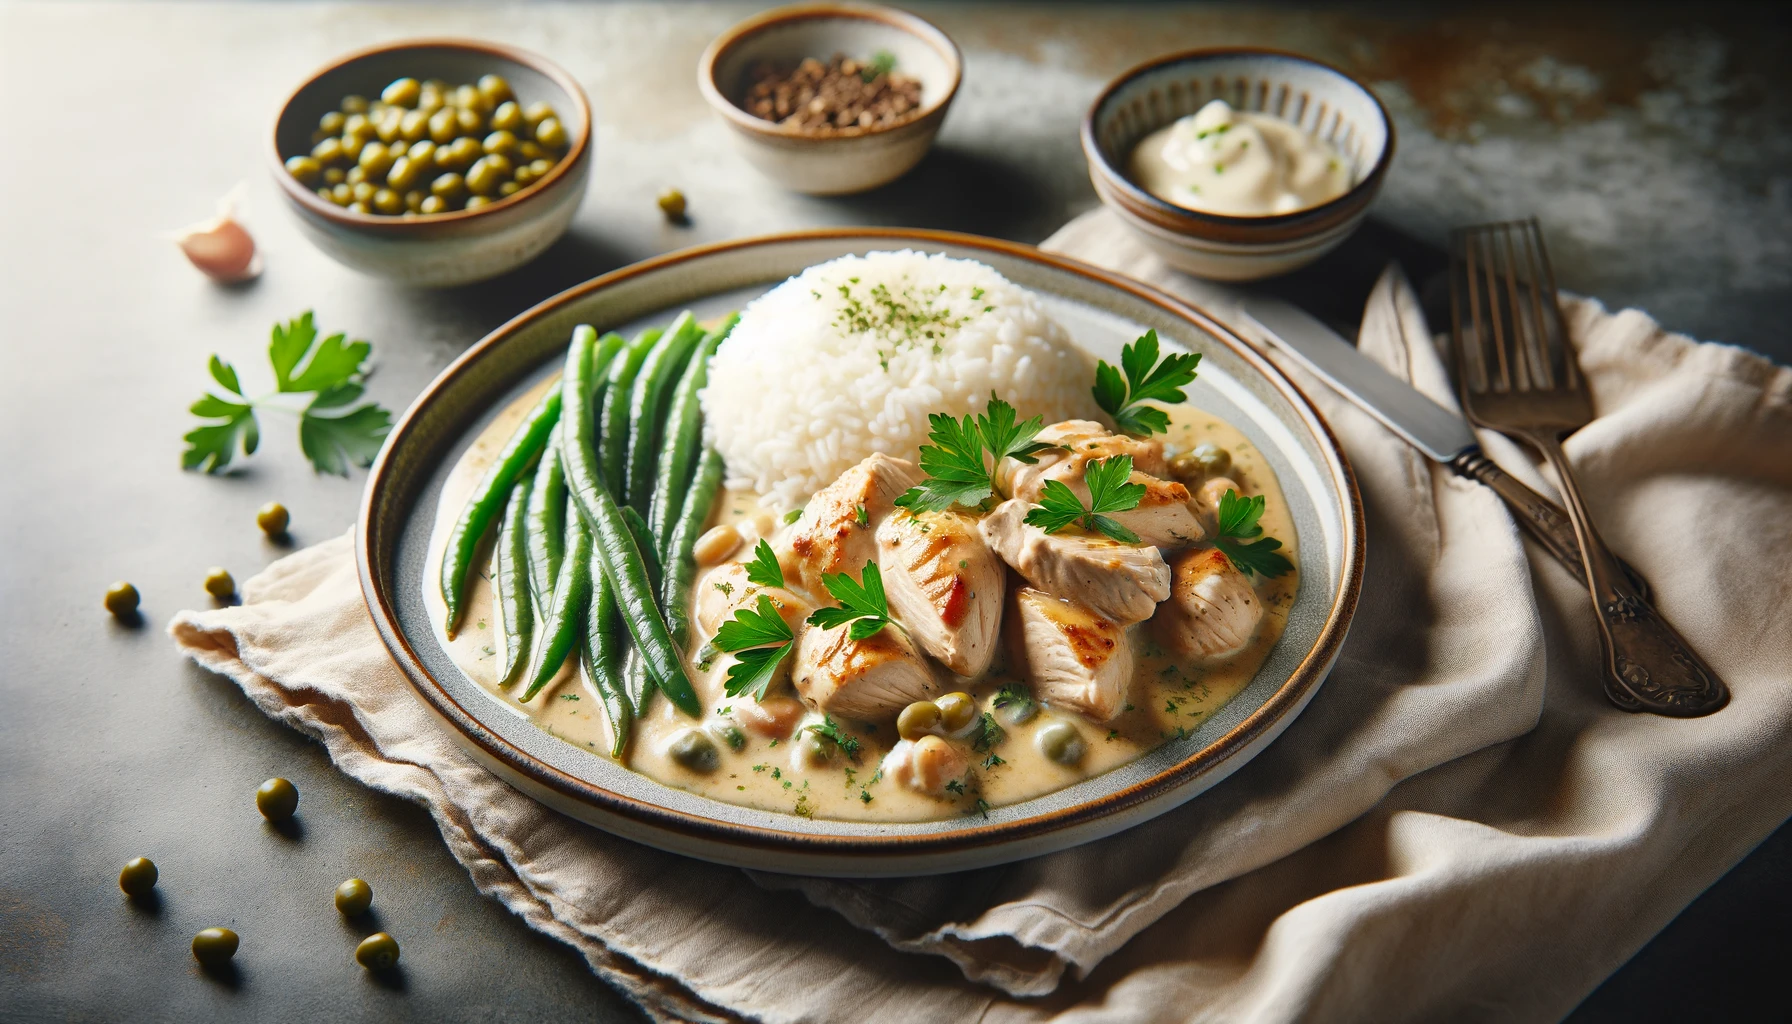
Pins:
x: 1648, y: 665
x: 1543, y: 519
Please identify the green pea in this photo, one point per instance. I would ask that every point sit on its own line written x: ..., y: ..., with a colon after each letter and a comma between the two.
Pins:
x: 342, y: 193
x: 327, y: 151
x: 277, y: 799
x: 448, y: 186
x: 390, y: 124
x: 332, y: 122
x: 730, y: 734
x: 444, y: 125
x: 388, y: 202
x: 1204, y: 459
x: 429, y: 99
x: 535, y: 113
x: 354, y: 104
x: 357, y: 124
x: 334, y: 176
x: 672, y: 204
x: 486, y: 174
x: 919, y: 719
x: 541, y: 167
x: 523, y: 177
x: 957, y: 711
x: 551, y: 133
x: 530, y: 150
x: 273, y: 519
x: 433, y: 204
x: 363, y: 191
x: 422, y: 153
x: 121, y: 600
x: 376, y: 161
x: 138, y: 877
x: 404, y: 173
x: 377, y: 952
x: 468, y: 97
x: 352, y: 143
x: 469, y: 121
x: 359, y: 207
x: 413, y: 201
x: 214, y: 947
x: 476, y: 202
x: 694, y: 750
x: 815, y: 750
x: 494, y: 89
x: 508, y: 188
x: 402, y: 92
x: 1060, y: 742
x: 508, y: 117
x: 219, y: 583
x: 502, y: 143
x: 353, y: 897
x: 413, y: 126
x: 357, y: 175
x: 304, y: 169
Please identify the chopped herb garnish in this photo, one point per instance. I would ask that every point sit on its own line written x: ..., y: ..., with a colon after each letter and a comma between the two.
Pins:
x: 1238, y: 522
x: 980, y: 807
x: 764, y: 568
x: 987, y: 734
x: 955, y: 786
x: 1146, y: 380
x: 569, y: 696
x: 727, y: 589
x: 862, y: 604
x: 957, y: 471
x: 847, y: 742
x: 992, y: 761
x: 750, y: 636
x: 865, y: 795
x: 859, y: 515
x: 1109, y: 491
x: 792, y: 516
x: 1014, y: 695
x: 882, y: 63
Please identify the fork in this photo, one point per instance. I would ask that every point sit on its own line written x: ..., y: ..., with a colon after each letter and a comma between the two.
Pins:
x: 1518, y: 375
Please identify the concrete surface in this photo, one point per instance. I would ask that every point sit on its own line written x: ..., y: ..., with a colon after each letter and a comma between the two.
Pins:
x: 1652, y: 142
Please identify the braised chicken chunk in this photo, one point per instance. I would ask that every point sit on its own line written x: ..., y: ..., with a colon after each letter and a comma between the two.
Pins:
x: 868, y: 680
x: 1163, y: 518
x: 1122, y: 582
x: 944, y: 585
x: 1075, y: 658
x: 837, y: 531
x: 1213, y: 610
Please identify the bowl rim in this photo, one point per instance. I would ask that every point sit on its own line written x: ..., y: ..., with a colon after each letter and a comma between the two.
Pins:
x: 903, y: 21
x: 384, y: 224
x: 1166, y: 211
x: 371, y: 537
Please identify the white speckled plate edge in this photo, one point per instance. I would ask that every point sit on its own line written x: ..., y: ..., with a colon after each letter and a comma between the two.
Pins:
x: 1102, y: 311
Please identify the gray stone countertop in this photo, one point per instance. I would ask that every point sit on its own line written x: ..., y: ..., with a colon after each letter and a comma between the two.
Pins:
x: 1653, y: 143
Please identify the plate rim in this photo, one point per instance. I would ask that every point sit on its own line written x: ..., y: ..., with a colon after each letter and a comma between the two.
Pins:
x: 1288, y: 699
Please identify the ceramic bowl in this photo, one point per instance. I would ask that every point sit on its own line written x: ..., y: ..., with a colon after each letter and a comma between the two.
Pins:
x: 849, y: 159
x: 446, y: 248
x: 1319, y: 98
x: 399, y: 528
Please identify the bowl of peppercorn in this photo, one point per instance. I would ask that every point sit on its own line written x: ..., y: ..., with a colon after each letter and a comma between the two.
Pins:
x: 831, y: 99
x: 434, y: 162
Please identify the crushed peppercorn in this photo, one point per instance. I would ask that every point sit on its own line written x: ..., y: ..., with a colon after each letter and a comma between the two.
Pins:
x: 843, y: 94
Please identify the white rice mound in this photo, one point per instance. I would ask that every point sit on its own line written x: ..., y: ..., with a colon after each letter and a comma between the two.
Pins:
x: 829, y: 367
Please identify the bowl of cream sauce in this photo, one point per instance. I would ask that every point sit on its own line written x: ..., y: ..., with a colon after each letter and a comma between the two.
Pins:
x: 1238, y: 164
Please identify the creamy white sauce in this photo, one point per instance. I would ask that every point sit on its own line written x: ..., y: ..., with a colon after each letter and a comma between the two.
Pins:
x: 1221, y: 160
x: 1167, y: 699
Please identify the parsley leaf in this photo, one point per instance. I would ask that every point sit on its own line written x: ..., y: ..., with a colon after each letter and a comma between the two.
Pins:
x: 1238, y: 522
x: 764, y: 568
x: 747, y: 636
x: 987, y: 734
x: 1013, y: 694
x: 331, y: 433
x: 1146, y: 380
x: 882, y: 63
x: 847, y: 742
x: 862, y: 604
x: 792, y: 516
x: 1059, y: 506
x: 957, y: 472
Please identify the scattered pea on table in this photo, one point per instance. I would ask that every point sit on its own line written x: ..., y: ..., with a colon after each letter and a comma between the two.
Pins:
x: 377, y: 952
x: 138, y: 877
x: 353, y: 897
x: 214, y: 947
x: 121, y: 600
x: 273, y: 519
x: 277, y: 799
x: 219, y: 583
x: 672, y: 204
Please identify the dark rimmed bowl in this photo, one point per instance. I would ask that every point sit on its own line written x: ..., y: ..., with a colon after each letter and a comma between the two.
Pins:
x: 846, y: 160
x: 1318, y: 97
x: 398, y: 529
x: 441, y: 249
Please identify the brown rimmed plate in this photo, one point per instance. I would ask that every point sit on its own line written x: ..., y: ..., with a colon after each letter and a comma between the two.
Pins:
x: 1102, y: 312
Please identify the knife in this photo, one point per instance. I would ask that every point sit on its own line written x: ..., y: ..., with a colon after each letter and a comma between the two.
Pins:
x: 1440, y: 433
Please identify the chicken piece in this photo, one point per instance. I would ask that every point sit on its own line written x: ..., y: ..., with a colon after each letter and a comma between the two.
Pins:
x: 1073, y: 657
x: 1163, y: 517
x: 944, y: 585
x: 869, y: 680
x: 726, y: 590
x: 1213, y: 610
x: 1123, y: 582
x: 925, y: 765
x: 837, y: 530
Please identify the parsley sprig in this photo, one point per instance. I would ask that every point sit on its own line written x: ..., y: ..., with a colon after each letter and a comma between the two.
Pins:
x: 1147, y: 379
x: 1059, y: 506
x: 759, y: 639
x: 861, y: 603
x: 333, y: 430
x: 1238, y: 524
x: 958, y: 473
x: 764, y: 569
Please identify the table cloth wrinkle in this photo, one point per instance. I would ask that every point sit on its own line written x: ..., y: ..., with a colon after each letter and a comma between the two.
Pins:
x: 1458, y: 825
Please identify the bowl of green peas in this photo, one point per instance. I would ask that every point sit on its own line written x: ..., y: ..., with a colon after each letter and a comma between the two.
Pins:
x: 434, y: 162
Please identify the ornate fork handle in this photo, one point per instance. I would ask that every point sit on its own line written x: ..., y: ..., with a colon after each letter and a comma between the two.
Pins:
x: 1645, y: 658
x: 1541, y: 518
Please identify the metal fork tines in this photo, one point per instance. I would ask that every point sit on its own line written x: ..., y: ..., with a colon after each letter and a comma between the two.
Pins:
x: 1517, y: 374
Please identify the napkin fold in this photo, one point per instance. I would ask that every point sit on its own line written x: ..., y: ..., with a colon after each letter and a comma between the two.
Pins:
x: 1457, y: 825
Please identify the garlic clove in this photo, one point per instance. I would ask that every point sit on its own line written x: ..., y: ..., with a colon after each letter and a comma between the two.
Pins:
x: 221, y: 247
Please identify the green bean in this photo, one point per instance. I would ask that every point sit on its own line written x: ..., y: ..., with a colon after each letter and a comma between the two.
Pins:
x: 545, y: 525
x: 684, y: 438
x: 636, y: 684
x: 622, y: 562
x: 647, y: 406
x: 510, y: 588
x: 600, y: 658
x: 490, y: 494
x: 560, y: 627
x: 681, y: 567
x: 617, y: 388
x: 637, y: 528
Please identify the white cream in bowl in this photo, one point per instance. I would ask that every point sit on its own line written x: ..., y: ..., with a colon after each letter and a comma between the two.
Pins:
x: 1226, y: 161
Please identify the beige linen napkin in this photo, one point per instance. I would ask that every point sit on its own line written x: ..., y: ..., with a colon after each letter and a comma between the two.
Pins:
x: 1457, y: 824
